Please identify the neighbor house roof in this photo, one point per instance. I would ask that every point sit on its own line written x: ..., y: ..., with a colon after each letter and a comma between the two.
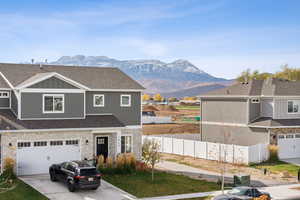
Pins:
x: 9, y: 121
x: 274, y: 123
x: 91, y: 77
x: 268, y: 87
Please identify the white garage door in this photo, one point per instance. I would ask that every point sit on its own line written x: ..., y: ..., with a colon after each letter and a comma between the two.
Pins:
x: 289, y: 146
x: 36, y: 157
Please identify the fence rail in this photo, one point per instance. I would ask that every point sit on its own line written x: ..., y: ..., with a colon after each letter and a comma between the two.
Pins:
x: 212, y: 151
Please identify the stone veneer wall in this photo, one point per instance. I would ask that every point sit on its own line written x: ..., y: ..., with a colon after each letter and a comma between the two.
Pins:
x: 87, y: 150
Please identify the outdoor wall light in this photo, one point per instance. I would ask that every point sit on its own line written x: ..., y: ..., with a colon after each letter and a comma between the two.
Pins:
x: 9, y: 144
x: 86, y: 142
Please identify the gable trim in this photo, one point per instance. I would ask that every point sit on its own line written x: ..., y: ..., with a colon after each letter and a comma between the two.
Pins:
x: 54, y: 74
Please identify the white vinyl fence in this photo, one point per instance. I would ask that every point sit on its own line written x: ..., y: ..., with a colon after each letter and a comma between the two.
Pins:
x: 212, y: 151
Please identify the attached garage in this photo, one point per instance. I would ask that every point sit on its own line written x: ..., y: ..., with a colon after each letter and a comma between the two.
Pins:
x: 289, y: 146
x: 35, y: 157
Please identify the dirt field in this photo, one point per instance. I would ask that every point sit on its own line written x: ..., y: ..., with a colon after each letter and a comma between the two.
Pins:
x: 153, y: 129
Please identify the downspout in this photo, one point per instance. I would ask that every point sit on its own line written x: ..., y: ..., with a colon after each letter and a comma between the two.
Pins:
x: 201, y: 137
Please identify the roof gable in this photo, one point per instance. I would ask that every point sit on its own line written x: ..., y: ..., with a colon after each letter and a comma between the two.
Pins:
x: 95, y: 78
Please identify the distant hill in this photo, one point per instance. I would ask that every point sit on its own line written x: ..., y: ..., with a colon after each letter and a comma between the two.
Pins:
x: 155, y: 75
x: 194, y: 91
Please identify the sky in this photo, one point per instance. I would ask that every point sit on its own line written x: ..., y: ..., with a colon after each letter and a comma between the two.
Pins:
x: 221, y: 37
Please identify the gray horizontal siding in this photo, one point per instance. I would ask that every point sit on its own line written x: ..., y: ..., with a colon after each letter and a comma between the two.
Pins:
x: 32, y: 106
x: 281, y: 109
x: 127, y: 115
x: 4, y: 102
x: 225, y: 110
x: 254, y: 111
x: 53, y: 82
x: 234, y: 135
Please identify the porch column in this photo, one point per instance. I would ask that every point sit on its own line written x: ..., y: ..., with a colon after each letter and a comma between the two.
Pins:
x: 118, y: 147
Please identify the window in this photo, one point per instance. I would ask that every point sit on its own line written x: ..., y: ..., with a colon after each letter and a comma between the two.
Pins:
x: 289, y: 136
x: 297, y: 136
x: 281, y: 136
x: 254, y: 100
x: 56, y: 143
x: 98, y: 100
x: 125, y: 100
x: 126, y: 144
x: 23, y: 144
x: 293, y: 106
x: 53, y: 103
x: 4, y: 94
x: 40, y: 144
x: 71, y: 142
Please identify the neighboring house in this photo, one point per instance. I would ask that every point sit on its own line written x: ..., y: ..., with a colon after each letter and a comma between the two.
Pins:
x: 255, y: 112
x: 51, y: 114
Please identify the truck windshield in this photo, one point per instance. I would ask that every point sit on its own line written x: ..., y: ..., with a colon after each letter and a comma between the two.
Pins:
x: 88, y: 172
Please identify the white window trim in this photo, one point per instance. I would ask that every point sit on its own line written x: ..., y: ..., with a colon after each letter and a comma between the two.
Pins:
x: 131, y: 142
x: 4, y: 97
x: 121, y: 103
x: 94, y: 100
x: 287, y: 107
x: 54, y: 95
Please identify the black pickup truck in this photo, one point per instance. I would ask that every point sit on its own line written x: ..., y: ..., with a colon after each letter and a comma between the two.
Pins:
x: 76, y: 174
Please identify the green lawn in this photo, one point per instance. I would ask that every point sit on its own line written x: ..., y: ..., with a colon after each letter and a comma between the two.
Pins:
x: 21, y: 192
x: 278, y: 166
x: 187, y: 107
x: 140, y: 184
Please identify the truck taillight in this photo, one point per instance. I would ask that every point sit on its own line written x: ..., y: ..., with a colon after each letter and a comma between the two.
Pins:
x: 79, y: 177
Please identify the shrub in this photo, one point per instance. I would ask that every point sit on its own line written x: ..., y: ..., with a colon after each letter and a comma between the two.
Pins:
x: 141, y: 166
x: 273, y: 153
x: 100, y: 163
x: 8, y: 169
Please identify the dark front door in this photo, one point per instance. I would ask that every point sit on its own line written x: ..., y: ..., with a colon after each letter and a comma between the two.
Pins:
x: 102, y: 146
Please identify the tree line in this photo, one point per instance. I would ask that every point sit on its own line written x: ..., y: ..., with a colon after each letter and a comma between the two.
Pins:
x: 287, y: 73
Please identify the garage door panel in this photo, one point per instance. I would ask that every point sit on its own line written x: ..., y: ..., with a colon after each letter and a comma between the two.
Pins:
x: 37, y: 160
x: 289, y: 146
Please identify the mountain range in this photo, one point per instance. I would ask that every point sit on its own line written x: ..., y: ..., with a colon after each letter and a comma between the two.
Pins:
x: 156, y: 76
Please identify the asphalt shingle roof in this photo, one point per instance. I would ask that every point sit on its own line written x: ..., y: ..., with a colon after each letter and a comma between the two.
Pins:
x: 92, y: 77
x: 268, y: 87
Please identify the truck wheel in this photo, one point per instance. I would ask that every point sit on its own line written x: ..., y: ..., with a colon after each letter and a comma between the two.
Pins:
x: 71, y: 186
x: 52, y: 177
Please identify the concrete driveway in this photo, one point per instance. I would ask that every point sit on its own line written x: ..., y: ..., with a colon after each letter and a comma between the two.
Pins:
x: 59, y: 191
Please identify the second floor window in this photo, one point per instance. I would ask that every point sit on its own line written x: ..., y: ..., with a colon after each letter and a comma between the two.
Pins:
x: 53, y: 103
x: 125, y: 100
x: 98, y: 100
x: 293, y: 106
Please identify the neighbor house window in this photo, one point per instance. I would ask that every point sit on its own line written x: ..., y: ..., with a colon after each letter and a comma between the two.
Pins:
x: 53, y: 103
x: 125, y: 100
x: 255, y: 100
x: 98, y: 100
x: 126, y: 144
x: 4, y: 95
x: 293, y: 106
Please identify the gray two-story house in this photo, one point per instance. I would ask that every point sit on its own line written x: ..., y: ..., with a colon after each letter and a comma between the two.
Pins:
x: 259, y: 111
x: 50, y: 114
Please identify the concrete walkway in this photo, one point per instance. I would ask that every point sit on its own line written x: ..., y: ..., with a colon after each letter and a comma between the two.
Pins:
x: 208, y: 175
x: 294, y: 161
x: 184, y: 196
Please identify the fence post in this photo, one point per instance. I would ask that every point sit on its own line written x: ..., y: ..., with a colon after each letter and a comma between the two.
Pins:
x: 172, y: 145
x: 194, y: 149
x: 183, y: 147
x: 162, y: 144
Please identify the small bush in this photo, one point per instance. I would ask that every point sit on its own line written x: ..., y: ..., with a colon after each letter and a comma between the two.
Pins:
x: 141, y: 166
x: 100, y: 163
x: 8, y: 169
x: 273, y: 153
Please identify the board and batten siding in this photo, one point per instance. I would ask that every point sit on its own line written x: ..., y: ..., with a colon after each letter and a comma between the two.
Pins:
x: 225, y: 110
x: 254, y: 110
x: 14, y: 103
x: 127, y: 115
x: 53, y: 82
x: 32, y: 106
x: 281, y: 109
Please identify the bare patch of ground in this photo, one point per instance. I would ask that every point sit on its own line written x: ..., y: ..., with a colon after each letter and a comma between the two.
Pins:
x: 214, y: 166
x: 157, y: 129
